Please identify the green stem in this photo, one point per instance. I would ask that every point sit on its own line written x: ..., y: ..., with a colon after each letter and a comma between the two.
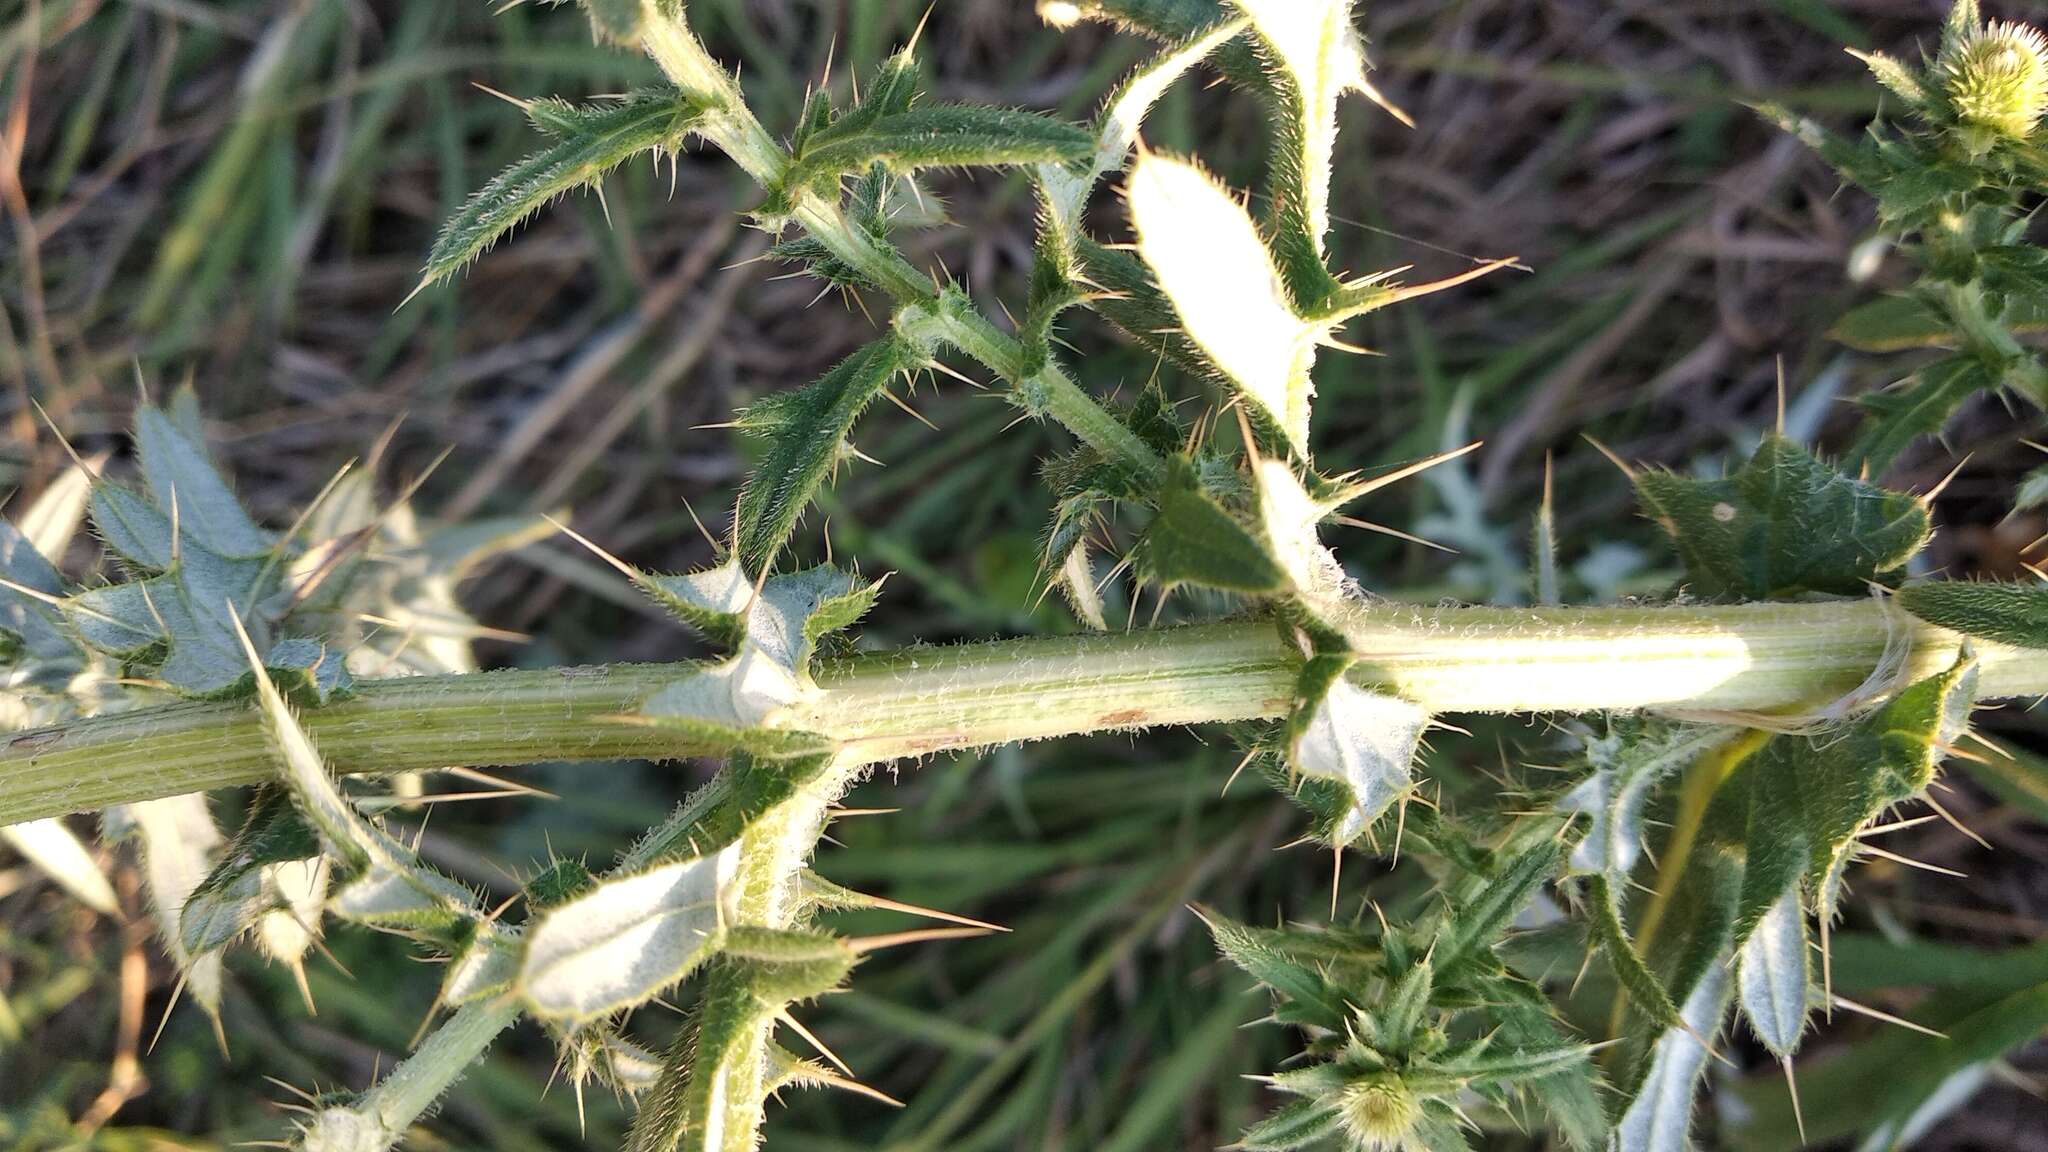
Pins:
x: 920, y: 701
x: 380, y: 1118
x: 1040, y: 388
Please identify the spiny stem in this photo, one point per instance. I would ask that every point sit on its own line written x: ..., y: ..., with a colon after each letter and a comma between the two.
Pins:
x: 919, y: 701
x: 1040, y: 388
x: 380, y: 1118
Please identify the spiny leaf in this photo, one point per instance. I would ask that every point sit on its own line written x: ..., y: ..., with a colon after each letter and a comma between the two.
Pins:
x: 26, y: 620
x: 1213, y: 265
x: 182, y: 476
x: 1315, y: 56
x: 1919, y: 406
x: 1305, y: 1124
x: 805, y: 431
x: 1771, y: 975
x: 785, y: 617
x: 628, y: 938
x: 239, y: 890
x: 589, y: 143
x: 1159, y: 19
x: 1288, y: 519
x: 178, y: 837
x: 379, y: 882
x: 1627, y: 764
x: 1786, y: 523
x: 1483, y: 913
x: 790, y: 965
x: 940, y: 136
x: 1128, y: 297
x: 1194, y: 540
x: 1648, y: 992
x: 59, y: 854
x: 2014, y: 614
x: 1363, y: 742
x: 1820, y: 792
x: 1659, y: 1116
x: 1295, y: 964
x: 1067, y: 187
x: 774, y: 629
x: 1903, y: 81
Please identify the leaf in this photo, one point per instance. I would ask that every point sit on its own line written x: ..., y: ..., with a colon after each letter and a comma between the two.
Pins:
x: 1902, y: 81
x: 1645, y: 990
x: 240, y: 890
x: 1195, y: 540
x: 1481, y: 912
x: 58, y: 854
x: 1289, y: 517
x: 1892, y: 324
x: 28, y: 620
x: 378, y: 881
x: 1316, y: 56
x: 774, y: 631
x: 1067, y: 187
x: 183, y: 478
x: 1785, y: 524
x: 590, y: 141
x: 1303, y: 1124
x: 1159, y: 19
x: 2015, y: 614
x: 629, y: 938
x: 307, y: 671
x: 1128, y: 297
x: 1803, y: 799
x: 132, y: 526
x: 1921, y: 406
x: 1771, y: 975
x: 180, y: 620
x: 1212, y: 264
x: 1627, y: 765
x: 178, y: 838
x: 486, y: 967
x: 805, y: 436
x: 1879, y: 1084
x: 940, y: 136
x: 1659, y: 1116
x: 1898, y: 323
x: 1363, y: 742
x: 1296, y: 964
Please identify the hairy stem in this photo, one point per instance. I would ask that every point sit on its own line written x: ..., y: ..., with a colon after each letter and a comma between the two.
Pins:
x: 380, y: 1118
x: 925, y: 700
x: 1040, y: 388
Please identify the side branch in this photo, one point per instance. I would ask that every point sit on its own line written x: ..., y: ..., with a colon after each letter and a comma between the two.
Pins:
x: 923, y: 700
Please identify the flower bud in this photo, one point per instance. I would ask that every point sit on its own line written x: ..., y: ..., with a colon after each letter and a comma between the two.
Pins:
x: 1379, y: 1112
x: 1997, y: 79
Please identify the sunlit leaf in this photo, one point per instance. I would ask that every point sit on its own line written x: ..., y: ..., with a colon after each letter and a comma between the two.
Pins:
x: 590, y: 141
x: 1785, y: 523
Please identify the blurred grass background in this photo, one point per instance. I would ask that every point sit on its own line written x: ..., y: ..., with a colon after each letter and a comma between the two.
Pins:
x: 240, y: 193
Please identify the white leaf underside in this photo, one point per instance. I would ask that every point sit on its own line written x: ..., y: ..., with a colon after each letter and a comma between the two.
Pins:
x: 1365, y: 741
x: 1771, y: 975
x: 1324, y: 57
x: 1117, y: 130
x: 1660, y: 1118
x: 61, y: 856
x: 628, y: 939
x: 1213, y: 265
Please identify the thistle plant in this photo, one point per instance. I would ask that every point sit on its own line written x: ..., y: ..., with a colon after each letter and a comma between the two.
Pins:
x: 1955, y: 185
x: 1796, y: 688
